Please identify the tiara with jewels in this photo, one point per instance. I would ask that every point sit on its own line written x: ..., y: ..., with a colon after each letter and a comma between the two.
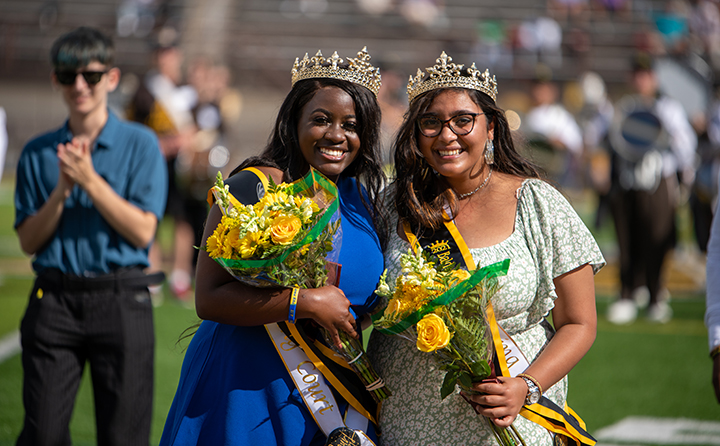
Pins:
x: 358, y: 70
x: 445, y: 73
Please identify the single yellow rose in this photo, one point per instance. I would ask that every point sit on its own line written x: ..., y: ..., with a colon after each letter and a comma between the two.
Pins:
x: 458, y: 276
x: 432, y: 334
x: 284, y: 229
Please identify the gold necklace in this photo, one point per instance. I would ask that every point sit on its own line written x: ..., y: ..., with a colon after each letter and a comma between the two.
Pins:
x: 468, y: 194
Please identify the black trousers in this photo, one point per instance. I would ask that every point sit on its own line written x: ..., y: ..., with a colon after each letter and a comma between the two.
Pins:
x: 645, y: 229
x: 108, y: 325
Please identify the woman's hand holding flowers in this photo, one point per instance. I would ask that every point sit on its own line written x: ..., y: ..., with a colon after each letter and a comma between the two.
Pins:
x: 329, y: 308
x: 500, y: 400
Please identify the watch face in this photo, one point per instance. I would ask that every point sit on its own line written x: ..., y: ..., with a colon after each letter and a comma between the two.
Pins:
x: 534, y: 397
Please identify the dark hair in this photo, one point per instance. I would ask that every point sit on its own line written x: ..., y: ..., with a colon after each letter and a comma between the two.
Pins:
x: 81, y: 46
x: 283, y: 148
x: 641, y: 61
x: 420, y: 194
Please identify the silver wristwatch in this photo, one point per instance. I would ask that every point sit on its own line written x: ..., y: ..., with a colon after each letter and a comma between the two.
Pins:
x: 533, y: 395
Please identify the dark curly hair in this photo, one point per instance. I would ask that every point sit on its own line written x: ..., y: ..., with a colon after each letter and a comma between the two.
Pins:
x: 420, y: 194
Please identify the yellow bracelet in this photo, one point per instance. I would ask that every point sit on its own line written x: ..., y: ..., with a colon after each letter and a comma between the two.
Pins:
x: 525, y: 375
x: 293, y: 304
x: 714, y: 352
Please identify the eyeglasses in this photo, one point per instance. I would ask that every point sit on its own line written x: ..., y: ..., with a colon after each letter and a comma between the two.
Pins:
x: 431, y: 126
x: 68, y: 77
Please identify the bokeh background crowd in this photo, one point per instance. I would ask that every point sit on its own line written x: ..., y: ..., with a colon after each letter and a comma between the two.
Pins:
x: 223, y: 66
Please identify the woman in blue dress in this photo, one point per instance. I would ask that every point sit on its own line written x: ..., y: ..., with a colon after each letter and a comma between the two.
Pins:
x: 234, y: 387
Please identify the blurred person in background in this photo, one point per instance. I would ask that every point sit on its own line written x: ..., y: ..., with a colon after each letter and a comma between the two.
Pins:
x: 88, y: 199
x: 165, y: 105
x: 197, y: 163
x: 595, y: 118
x: 653, y: 149
x: 553, y: 133
x: 712, y: 308
x: 704, y: 192
x: 704, y: 27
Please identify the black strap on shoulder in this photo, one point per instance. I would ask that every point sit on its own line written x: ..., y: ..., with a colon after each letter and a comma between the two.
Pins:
x: 246, y: 187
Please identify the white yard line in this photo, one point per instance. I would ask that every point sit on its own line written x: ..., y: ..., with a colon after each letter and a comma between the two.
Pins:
x: 659, y: 431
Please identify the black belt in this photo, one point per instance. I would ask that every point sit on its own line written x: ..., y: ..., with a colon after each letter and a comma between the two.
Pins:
x: 124, y: 278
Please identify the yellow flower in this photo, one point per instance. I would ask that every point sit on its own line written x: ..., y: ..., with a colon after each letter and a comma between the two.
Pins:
x: 284, y: 229
x: 227, y: 251
x: 395, y: 306
x: 280, y: 197
x: 432, y: 333
x: 215, y: 241
x: 248, y: 245
x: 414, y: 295
x: 458, y: 276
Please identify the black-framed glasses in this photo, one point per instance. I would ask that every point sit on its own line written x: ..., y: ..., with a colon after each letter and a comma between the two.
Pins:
x: 68, y: 77
x: 462, y: 124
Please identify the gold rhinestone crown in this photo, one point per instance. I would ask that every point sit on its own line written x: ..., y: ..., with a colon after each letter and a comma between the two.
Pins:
x: 446, y: 74
x: 357, y: 70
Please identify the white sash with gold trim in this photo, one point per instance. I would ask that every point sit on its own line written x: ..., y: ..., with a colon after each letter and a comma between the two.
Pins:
x: 315, y: 392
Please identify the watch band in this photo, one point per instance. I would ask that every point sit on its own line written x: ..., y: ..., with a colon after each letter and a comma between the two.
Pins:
x: 534, y: 389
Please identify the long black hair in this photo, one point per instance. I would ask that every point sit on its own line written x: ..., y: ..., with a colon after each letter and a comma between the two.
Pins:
x: 420, y: 194
x: 283, y: 147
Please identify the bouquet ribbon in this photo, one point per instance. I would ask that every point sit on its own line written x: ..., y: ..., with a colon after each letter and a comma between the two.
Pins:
x: 449, y: 246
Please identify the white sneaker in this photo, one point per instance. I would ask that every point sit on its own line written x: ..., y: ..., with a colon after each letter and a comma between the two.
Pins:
x: 659, y: 312
x: 622, y: 311
x: 641, y: 296
x: 180, y: 284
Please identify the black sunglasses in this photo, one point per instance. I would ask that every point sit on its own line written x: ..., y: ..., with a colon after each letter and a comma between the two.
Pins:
x: 68, y: 77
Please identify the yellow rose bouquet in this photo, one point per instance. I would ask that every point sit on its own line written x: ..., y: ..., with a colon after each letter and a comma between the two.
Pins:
x: 289, y: 238
x: 441, y: 308
x: 285, y: 239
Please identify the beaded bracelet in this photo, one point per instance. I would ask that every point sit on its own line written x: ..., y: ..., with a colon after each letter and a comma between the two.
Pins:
x: 714, y: 352
x: 525, y: 375
x: 293, y: 304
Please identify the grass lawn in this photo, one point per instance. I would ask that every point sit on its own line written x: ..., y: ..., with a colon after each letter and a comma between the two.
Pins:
x: 641, y: 369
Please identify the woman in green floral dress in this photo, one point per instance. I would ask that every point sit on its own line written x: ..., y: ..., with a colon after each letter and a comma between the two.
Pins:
x: 454, y: 156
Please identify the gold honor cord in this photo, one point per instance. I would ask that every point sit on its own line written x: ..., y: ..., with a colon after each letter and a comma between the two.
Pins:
x: 448, y: 244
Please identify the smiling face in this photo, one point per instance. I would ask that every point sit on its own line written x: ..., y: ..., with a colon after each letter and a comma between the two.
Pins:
x: 82, y: 98
x: 328, y: 131
x: 457, y: 158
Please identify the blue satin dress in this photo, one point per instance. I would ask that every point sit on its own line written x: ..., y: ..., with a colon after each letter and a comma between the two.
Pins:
x: 234, y: 388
